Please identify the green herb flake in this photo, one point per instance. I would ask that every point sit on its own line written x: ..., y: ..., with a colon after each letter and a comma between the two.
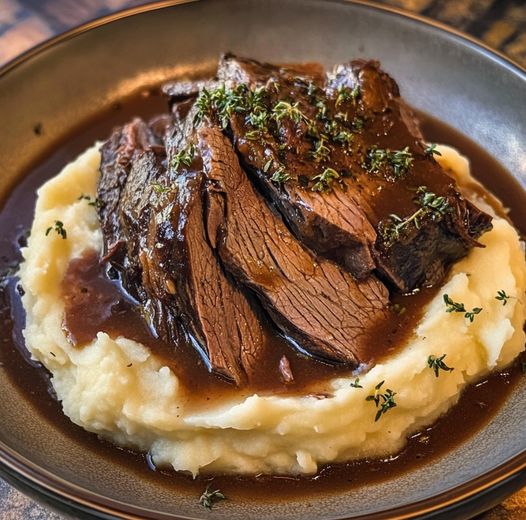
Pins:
x: 432, y: 150
x: 209, y: 497
x: 292, y: 111
x: 383, y: 401
x: 95, y: 202
x: 321, y: 152
x: 58, y: 227
x: 503, y: 297
x: 452, y: 306
x: 396, y: 163
x: 345, y: 94
x: 325, y: 180
x: 184, y: 157
x: 356, y: 383
x: 437, y: 364
x: 280, y: 175
x: 430, y: 205
x: 160, y: 189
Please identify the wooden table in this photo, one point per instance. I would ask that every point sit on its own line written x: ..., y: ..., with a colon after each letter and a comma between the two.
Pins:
x: 24, y: 23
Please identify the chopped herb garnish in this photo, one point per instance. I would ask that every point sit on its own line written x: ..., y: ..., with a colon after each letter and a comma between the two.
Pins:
x: 160, y: 189
x: 209, y: 498
x: 284, y: 109
x: 322, y: 109
x: 91, y: 201
x: 356, y: 383
x: 184, y: 156
x: 437, y: 364
x: 267, y: 166
x: 452, y: 306
x: 253, y: 135
x: 321, y: 152
x: 432, y: 150
x: 347, y: 94
x: 325, y: 179
x: 502, y: 296
x: 431, y: 206
x: 383, y: 401
x: 397, y: 162
x: 59, y: 229
x: 280, y: 175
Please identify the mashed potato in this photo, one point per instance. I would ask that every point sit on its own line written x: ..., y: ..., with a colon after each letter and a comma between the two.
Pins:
x: 116, y: 388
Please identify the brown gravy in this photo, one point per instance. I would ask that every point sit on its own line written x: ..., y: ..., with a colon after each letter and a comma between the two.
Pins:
x: 476, y: 407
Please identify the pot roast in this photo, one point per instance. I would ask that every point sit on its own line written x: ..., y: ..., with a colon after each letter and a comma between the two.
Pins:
x: 281, y: 194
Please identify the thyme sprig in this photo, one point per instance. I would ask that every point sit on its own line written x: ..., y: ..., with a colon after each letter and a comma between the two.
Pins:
x: 292, y: 111
x: 221, y: 100
x: 184, y: 156
x: 59, y: 228
x: 325, y: 180
x: 431, y: 206
x: 347, y: 94
x: 356, y: 383
x: 383, y: 401
x: 431, y: 150
x: 209, y: 497
x: 280, y: 175
x: 437, y: 364
x: 452, y: 306
x: 321, y: 151
x: 503, y: 297
x: 92, y: 201
x: 394, y: 163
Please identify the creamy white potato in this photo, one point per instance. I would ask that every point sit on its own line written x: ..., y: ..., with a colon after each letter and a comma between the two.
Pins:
x: 118, y: 389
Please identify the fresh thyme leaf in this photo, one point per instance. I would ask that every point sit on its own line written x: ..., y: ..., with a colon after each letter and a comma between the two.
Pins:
x: 347, y: 94
x: 325, y: 179
x: 502, y: 296
x: 184, y: 156
x: 356, y: 383
x: 397, y: 162
x: 267, y: 166
x: 471, y: 314
x: 160, y: 189
x: 209, y: 498
x: 321, y: 152
x: 284, y: 109
x: 223, y: 101
x: 431, y: 206
x: 280, y: 175
x: 322, y: 109
x: 431, y: 150
x: 95, y: 202
x: 253, y: 135
x: 383, y: 401
x: 452, y: 306
x: 437, y: 363
x: 59, y: 228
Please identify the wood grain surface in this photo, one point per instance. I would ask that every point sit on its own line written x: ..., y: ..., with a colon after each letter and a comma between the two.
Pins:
x: 25, y: 23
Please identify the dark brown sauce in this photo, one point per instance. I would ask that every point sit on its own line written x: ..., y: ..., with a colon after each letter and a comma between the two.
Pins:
x: 477, y: 405
x: 93, y: 303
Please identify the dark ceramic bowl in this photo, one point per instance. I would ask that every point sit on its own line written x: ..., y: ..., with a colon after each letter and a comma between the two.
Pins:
x: 76, y: 75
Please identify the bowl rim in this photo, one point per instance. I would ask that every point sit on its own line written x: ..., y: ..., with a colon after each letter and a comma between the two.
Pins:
x: 19, y: 470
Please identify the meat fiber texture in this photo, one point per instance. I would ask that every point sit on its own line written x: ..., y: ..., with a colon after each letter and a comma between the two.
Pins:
x: 119, y: 390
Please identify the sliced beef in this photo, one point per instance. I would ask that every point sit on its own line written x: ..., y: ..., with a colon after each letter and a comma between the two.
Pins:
x: 313, y: 301
x: 182, y: 272
x: 342, y: 125
x: 153, y: 228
